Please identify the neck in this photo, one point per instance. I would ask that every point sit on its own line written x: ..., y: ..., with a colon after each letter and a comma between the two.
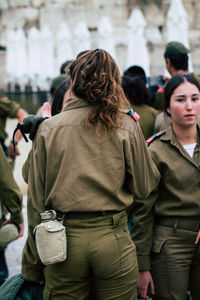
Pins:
x: 174, y: 71
x: 186, y: 135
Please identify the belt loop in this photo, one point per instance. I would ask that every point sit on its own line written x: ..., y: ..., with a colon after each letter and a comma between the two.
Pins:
x: 115, y: 220
x: 60, y: 217
x: 175, y: 224
x: 120, y: 219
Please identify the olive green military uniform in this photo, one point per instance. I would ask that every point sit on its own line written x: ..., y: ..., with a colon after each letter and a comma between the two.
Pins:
x: 11, y: 196
x: 147, y: 118
x: 162, y: 122
x: 74, y: 171
x: 8, y: 109
x: 167, y: 222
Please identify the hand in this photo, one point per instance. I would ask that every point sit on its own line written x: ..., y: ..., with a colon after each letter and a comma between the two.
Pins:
x: 144, y: 281
x: 20, y: 227
x: 11, y: 151
x: 165, y: 78
x: 21, y: 230
x: 198, y: 238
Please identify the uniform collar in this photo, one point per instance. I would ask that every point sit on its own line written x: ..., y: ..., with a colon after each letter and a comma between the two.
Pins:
x: 171, y: 138
x: 169, y: 135
x: 75, y: 103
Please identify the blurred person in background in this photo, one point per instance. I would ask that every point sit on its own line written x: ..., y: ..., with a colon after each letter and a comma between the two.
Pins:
x: 10, y: 109
x: 176, y: 62
x: 138, y: 96
x: 11, y: 199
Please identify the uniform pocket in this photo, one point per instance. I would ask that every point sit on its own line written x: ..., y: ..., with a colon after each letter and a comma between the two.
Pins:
x: 157, y: 244
x: 128, y: 266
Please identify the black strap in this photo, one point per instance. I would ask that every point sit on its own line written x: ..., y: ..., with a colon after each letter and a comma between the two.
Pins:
x: 19, y: 127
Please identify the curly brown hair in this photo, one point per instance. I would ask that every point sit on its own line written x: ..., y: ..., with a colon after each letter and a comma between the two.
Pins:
x: 96, y: 78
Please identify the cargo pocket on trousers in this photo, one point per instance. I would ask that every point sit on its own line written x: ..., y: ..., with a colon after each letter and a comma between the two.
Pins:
x: 157, y: 245
x: 127, y: 258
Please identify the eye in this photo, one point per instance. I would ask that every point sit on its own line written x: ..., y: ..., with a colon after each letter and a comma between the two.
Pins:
x: 179, y: 99
x: 195, y: 99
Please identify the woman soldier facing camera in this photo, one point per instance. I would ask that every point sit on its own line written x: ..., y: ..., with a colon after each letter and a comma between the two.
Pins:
x: 174, y: 207
x: 88, y: 163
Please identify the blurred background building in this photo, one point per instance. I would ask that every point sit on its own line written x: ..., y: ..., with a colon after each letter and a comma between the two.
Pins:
x: 36, y: 36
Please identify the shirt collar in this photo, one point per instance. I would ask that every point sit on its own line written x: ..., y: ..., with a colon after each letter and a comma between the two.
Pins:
x: 75, y: 103
x: 170, y: 135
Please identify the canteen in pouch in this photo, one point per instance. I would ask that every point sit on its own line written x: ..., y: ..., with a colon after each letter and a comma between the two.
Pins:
x: 50, y: 238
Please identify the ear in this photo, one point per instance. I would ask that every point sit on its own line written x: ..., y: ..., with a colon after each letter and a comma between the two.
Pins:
x: 169, y: 110
x: 168, y: 62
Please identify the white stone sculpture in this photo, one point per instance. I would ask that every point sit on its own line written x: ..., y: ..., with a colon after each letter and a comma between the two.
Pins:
x: 137, y: 52
x: 11, y: 44
x: 82, y: 40
x: 21, y: 66
x: 177, y: 25
x: 47, y: 58
x: 106, y: 39
x: 34, y: 56
x: 64, y: 45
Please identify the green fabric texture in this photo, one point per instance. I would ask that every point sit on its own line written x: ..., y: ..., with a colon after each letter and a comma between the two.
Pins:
x: 11, y: 196
x: 8, y: 109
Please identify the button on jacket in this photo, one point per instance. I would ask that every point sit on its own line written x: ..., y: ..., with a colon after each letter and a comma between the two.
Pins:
x: 178, y: 193
x: 71, y: 169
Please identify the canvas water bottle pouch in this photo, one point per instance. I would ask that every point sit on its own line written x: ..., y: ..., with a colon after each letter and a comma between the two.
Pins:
x: 51, y: 242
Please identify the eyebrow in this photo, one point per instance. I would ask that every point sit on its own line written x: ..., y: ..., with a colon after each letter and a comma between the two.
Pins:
x: 185, y: 95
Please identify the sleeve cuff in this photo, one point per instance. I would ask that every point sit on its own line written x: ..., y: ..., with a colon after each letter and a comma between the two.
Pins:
x: 17, y: 218
x: 30, y: 273
x: 144, y: 262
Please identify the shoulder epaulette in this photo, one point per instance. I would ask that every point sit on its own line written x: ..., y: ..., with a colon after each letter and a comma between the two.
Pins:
x: 133, y: 114
x: 154, y: 137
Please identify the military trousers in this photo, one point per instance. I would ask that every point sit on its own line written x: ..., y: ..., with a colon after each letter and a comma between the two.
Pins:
x: 175, y: 263
x: 99, y: 250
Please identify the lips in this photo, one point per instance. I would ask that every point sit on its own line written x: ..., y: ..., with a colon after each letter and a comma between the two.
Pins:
x: 189, y: 115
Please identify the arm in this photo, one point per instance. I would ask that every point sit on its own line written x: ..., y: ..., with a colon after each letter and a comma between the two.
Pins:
x: 142, y: 175
x: 20, y: 115
x: 10, y: 194
x: 142, y: 235
x: 32, y: 268
x: 26, y: 167
x: 145, y: 192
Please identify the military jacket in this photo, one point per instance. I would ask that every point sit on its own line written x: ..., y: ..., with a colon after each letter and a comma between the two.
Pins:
x: 10, y: 195
x: 178, y: 193
x: 72, y: 169
x: 7, y: 109
x: 147, y: 118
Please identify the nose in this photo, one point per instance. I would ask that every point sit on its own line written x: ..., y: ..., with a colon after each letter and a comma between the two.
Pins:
x: 189, y: 105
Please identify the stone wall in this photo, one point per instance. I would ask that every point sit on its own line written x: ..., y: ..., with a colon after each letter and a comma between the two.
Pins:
x: 29, y: 13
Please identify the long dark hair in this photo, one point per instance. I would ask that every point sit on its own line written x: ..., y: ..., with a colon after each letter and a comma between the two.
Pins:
x: 96, y: 78
x: 58, y: 97
x: 173, y: 83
